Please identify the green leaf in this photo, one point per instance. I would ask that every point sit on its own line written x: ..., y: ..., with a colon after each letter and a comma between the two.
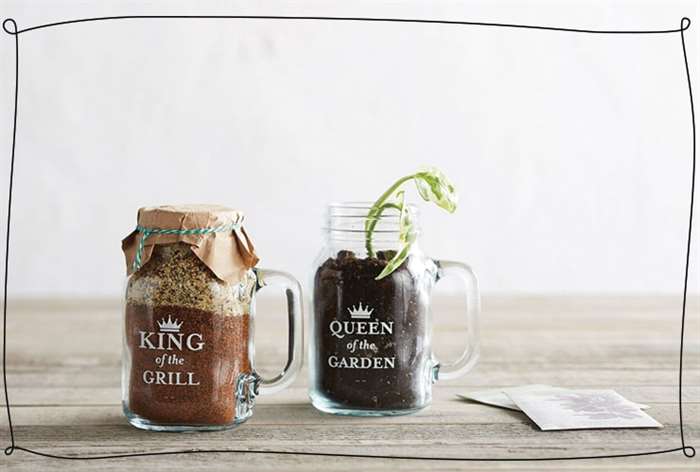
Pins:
x: 434, y: 186
x: 394, y: 263
x: 406, y: 236
x: 377, y: 209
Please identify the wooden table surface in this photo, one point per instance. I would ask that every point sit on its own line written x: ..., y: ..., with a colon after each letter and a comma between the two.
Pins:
x: 63, y: 372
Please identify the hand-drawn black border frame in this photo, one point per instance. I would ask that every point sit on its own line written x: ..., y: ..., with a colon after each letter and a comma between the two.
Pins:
x: 10, y: 27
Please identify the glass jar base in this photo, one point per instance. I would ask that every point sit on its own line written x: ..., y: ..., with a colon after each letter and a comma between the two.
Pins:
x: 334, y: 409
x: 147, y: 425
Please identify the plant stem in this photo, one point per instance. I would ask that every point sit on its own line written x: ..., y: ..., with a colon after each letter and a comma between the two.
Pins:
x: 377, y: 209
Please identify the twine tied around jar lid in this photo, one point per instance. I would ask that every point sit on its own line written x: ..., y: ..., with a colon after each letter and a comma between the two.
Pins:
x: 215, y: 234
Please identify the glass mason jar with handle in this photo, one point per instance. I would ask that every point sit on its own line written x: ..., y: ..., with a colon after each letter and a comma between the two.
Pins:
x: 370, y: 342
x: 188, y: 355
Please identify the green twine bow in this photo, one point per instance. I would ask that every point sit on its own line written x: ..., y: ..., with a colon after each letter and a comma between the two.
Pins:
x: 146, y: 232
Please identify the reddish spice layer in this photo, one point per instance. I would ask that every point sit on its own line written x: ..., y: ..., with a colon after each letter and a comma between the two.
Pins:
x: 203, y: 359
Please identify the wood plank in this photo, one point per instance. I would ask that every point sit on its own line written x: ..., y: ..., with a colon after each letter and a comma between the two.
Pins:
x: 65, y: 390
x: 449, y: 440
x: 443, y: 411
x: 270, y: 462
x: 111, y: 396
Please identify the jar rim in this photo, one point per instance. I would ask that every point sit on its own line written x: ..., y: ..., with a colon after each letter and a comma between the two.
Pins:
x: 359, y: 204
x: 349, y: 218
x: 360, y: 209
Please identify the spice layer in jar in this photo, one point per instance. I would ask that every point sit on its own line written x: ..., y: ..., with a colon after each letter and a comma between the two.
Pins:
x: 190, y: 334
x: 187, y: 319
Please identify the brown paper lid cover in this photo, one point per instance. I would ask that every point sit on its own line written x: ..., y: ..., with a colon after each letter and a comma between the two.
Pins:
x: 214, y: 233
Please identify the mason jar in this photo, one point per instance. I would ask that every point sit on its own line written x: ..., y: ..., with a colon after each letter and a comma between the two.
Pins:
x: 188, y: 352
x: 370, y: 343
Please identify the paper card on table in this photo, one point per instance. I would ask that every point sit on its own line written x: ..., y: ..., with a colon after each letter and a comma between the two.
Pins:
x: 499, y: 396
x: 581, y: 409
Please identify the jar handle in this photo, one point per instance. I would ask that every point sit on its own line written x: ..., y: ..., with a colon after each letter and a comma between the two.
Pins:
x: 470, y: 355
x: 295, y: 313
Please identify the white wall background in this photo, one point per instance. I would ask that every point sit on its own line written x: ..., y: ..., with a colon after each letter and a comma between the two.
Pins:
x: 571, y: 152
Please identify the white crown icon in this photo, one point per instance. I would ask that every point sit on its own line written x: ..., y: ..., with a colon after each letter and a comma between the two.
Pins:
x: 169, y: 326
x: 360, y: 312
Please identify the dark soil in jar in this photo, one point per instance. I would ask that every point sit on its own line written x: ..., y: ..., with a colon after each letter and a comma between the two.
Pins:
x: 186, y: 374
x: 371, y: 335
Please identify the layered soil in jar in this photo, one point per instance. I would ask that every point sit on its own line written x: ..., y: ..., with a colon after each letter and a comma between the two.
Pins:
x: 186, y: 340
x: 372, y: 337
